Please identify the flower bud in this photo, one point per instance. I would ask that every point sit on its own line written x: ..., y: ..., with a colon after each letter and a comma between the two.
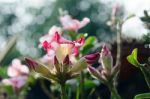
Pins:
x: 106, y: 58
x: 31, y: 63
x: 92, y: 58
x: 95, y: 73
x: 39, y: 68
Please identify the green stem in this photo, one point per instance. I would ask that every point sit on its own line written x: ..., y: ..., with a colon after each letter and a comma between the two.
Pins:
x: 114, y: 92
x: 63, y: 91
x: 82, y: 85
x: 146, y: 75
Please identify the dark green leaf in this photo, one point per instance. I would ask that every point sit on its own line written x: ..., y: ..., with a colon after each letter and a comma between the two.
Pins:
x: 142, y: 96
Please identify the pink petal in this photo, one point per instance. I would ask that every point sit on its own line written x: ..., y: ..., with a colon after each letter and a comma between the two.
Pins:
x: 54, y: 29
x: 84, y: 22
x: 12, y: 72
x: 92, y: 58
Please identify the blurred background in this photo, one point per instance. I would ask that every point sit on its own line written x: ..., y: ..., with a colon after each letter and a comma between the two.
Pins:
x: 28, y: 20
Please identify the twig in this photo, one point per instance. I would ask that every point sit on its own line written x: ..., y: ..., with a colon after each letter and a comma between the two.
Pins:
x: 119, y: 45
x: 9, y: 46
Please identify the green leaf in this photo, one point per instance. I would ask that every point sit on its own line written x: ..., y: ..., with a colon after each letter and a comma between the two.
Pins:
x: 3, y: 72
x: 90, y: 83
x: 132, y: 59
x: 142, y: 96
x: 90, y: 40
x: 89, y: 43
x: 146, y: 72
x: 86, y: 49
x: 72, y: 35
x: 9, y: 89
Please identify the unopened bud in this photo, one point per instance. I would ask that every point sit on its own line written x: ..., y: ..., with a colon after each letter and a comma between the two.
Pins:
x: 31, y: 63
x: 92, y: 58
x: 106, y: 58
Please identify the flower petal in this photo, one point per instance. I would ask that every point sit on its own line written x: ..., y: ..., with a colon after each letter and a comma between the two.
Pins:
x: 62, y: 51
x: 79, y: 66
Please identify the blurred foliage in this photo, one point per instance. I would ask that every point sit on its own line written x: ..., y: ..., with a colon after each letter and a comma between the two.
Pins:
x: 146, y: 38
x: 31, y: 21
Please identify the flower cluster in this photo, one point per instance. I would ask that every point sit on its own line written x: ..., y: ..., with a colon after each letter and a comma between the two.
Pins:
x: 60, y: 58
x: 18, y: 74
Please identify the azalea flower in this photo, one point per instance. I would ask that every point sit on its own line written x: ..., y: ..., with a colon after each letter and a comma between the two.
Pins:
x: 16, y: 82
x: 62, y: 52
x: 18, y: 74
x: 57, y: 44
x: 71, y: 24
x: 17, y: 69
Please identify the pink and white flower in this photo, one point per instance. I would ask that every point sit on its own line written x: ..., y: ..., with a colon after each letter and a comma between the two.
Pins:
x: 59, y: 45
x: 18, y: 74
x: 71, y: 24
x: 17, y: 69
x: 48, y: 37
x: 60, y: 54
x: 15, y: 82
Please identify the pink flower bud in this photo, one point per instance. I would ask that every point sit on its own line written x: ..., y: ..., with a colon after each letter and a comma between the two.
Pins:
x: 92, y: 58
x: 32, y: 64
x: 115, y: 9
